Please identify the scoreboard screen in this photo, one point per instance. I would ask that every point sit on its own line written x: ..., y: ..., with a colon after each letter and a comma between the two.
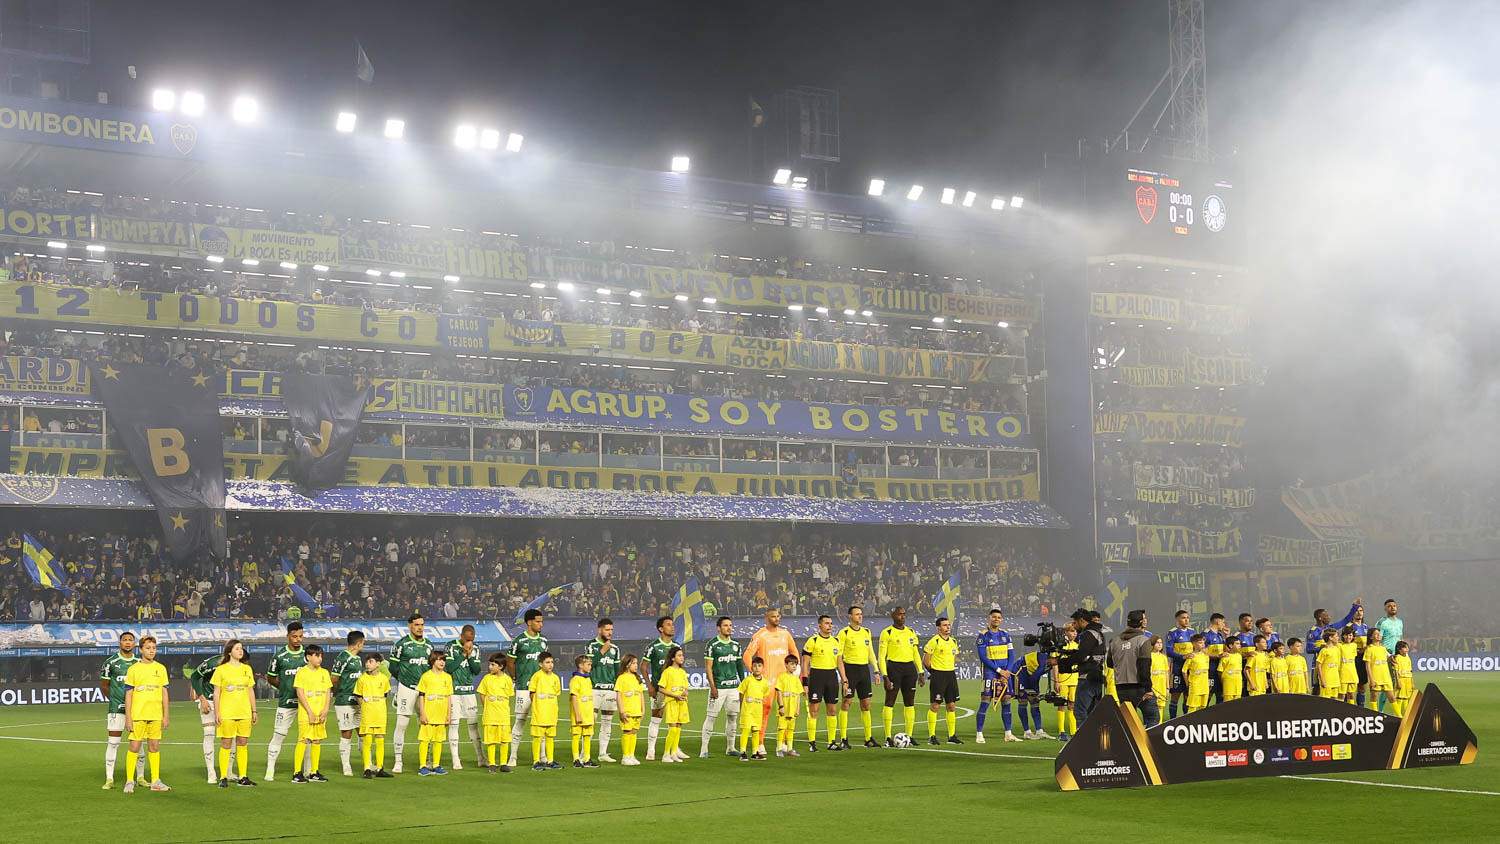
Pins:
x: 1171, y: 209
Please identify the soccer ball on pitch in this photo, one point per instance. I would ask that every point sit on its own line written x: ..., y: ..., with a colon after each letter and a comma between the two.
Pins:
x: 901, y: 740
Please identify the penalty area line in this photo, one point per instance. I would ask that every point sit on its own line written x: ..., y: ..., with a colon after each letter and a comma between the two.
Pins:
x: 47, y: 724
x: 1393, y: 785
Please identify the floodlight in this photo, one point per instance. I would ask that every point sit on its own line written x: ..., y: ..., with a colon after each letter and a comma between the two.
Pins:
x: 915, y: 193
x: 451, y: 279
x: 1017, y: 201
x: 288, y: 265
x: 877, y: 187
x: 397, y: 274
x: 250, y: 262
x: 997, y: 204
x: 565, y: 287
x: 782, y: 176
x: 373, y: 273
x: 680, y: 164
x: 320, y: 268
x: 245, y: 109
x: 192, y: 103
x: 395, y: 128
x: 95, y: 247
x: 969, y: 197
x: 56, y: 244
x: 465, y: 136
x: 215, y: 259
x: 947, y: 197
x: 709, y: 300
x: 345, y: 122
x: 513, y: 142
x: 163, y: 99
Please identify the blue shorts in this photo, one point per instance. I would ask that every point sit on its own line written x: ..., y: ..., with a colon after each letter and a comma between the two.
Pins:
x: 1027, y: 683
x: 1179, y: 685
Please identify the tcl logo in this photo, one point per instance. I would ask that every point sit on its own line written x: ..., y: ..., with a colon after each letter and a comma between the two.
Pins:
x: 1239, y: 758
x: 1322, y: 752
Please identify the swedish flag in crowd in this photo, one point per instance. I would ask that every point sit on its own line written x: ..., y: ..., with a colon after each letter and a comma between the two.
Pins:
x: 40, y: 565
x: 541, y: 600
x: 687, y: 612
x: 945, y: 602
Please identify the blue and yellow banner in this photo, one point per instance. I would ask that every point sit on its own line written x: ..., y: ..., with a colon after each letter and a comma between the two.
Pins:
x: 945, y: 602
x: 40, y: 565
x: 687, y: 612
x: 26, y: 374
x: 377, y: 472
x: 22, y: 222
x: 104, y: 128
x: 1200, y: 317
x: 1160, y: 426
x: 1185, y: 542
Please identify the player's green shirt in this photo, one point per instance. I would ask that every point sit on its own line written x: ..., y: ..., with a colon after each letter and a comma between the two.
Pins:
x: 728, y: 661
x: 346, y: 671
x: 284, y: 667
x: 409, y: 660
x: 606, y: 657
x: 656, y: 657
x: 114, y: 671
x: 464, y: 669
x: 202, y: 673
x: 526, y: 650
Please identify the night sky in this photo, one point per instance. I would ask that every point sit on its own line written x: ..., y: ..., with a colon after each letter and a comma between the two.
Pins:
x: 961, y: 91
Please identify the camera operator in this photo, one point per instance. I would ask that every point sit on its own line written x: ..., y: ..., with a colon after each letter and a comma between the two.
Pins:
x: 1087, y: 661
x: 1130, y: 657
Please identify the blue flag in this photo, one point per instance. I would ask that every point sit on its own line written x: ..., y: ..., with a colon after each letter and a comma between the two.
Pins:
x: 945, y: 602
x: 687, y: 612
x: 299, y: 594
x: 39, y: 564
x: 541, y: 600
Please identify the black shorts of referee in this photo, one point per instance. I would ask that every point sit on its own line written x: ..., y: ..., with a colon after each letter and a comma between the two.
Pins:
x: 943, y: 686
x: 823, y: 685
x: 903, y: 678
x: 1363, y: 670
x: 861, y: 681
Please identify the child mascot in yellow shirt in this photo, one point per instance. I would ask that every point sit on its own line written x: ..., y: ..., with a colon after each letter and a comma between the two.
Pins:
x: 497, y: 694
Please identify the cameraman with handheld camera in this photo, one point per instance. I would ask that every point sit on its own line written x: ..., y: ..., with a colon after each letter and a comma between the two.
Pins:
x: 1130, y: 657
x: 1087, y: 661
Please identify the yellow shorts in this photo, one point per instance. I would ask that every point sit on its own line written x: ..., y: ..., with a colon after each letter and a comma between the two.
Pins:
x: 433, y: 732
x: 144, y: 730
x: 1068, y: 692
x: 234, y: 728
x: 549, y: 731
x: 1351, y: 688
x: 1330, y: 691
x: 630, y: 725
x: 371, y: 729
x: 496, y: 733
x: 312, y: 732
x: 1197, y: 701
x: 786, y: 723
x: 583, y: 729
x: 1380, y: 688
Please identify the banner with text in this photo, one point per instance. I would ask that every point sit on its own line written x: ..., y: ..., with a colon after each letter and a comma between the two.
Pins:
x: 1180, y: 541
x: 1166, y: 310
x: 1159, y: 426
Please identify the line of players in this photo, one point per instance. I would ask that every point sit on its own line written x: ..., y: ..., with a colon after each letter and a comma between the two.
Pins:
x: 447, y: 687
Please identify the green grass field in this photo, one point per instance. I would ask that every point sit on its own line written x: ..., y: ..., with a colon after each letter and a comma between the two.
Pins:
x: 51, y: 760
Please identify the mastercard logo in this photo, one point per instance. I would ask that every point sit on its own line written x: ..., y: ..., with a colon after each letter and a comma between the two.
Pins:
x: 1300, y: 754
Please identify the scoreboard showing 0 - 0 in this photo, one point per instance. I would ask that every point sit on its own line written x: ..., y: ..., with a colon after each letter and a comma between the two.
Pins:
x: 1166, y: 208
x: 1181, y: 207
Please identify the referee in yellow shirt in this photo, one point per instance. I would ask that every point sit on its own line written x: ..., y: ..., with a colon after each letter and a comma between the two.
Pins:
x: 825, y: 682
x: 902, y: 670
x: 941, y: 656
x: 857, y: 646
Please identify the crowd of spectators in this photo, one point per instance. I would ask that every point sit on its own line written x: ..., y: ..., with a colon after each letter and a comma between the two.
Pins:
x: 451, y: 568
x: 540, y: 249
x: 161, y: 348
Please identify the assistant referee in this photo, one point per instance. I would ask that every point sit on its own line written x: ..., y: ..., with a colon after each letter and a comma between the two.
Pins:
x: 825, y: 682
x: 901, y: 665
x: 858, y: 650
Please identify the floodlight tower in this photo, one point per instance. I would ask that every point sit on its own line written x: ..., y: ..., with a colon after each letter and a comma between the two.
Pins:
x: 1187, y: 131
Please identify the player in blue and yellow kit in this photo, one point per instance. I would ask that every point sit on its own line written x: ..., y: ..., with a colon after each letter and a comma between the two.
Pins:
x: 1213, y: 645
x: 995, y: 656
x: 1030, y: 669
x: 1179, y: 646
x: 1320, y: 625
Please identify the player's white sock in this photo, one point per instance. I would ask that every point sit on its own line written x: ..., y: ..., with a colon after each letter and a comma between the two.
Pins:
x: 210, y: 753
x: 111, y: 753
x: 346, y: 746
x: 398, y: 741
x: 731, y: 730
x: 606, y: 726
x: 453, y: 744
x: 478, y: 745
x: 515, y: 740
x: 273, y: 750
x: 651, y: 737
x: 708, y: 732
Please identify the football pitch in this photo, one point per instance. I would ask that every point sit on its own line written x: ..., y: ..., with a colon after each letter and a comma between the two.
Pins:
x: 51, y: 765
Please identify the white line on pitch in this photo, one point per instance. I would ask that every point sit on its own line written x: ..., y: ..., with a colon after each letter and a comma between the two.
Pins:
x: 47, y: 724
x: 1392, y: 785
x: 980, y: 753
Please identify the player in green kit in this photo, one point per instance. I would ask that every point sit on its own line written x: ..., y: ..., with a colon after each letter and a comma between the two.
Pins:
x: 408, y: 664
x: 655, y: 660
x: 526, y: 649
x: 281, y: 673
x: 201, y: 689
x: 346, y: 670
x: 466, y: 667
x: 605, y: 656
x: 112, y: 683
x: 724, y: 663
